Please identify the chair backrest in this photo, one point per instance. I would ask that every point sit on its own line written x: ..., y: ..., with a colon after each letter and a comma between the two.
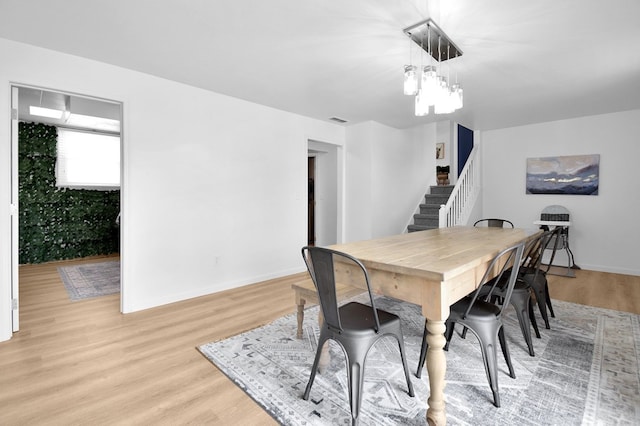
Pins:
x: 555, y: 213
x: 493, y: 223
x: 553, y: 242
x: 321, y: 265
x: 533, y: 250
x: 506, y: 262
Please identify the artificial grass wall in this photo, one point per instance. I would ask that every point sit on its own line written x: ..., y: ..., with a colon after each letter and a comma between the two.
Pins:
x: 59, y: 223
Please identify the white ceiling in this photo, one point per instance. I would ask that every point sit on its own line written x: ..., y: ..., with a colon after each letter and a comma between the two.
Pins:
x: 524, y: 61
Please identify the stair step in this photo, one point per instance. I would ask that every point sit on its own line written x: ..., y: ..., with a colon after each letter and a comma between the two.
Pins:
x: 436, y: 199
x: 429, y: 216
x: 431, y: 209
x: 441, y: 189
x: 426, y: 219
x: 415, y: 228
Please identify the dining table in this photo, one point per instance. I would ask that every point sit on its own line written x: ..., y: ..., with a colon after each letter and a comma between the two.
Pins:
x: 433, y: 269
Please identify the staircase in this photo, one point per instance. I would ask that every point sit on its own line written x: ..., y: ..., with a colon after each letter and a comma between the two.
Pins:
x: 429, y: 211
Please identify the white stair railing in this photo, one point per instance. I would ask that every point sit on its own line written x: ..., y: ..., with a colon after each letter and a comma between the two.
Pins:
x: 464, y: 194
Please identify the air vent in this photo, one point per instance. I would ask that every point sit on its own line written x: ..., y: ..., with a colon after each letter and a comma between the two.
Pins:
x: 338, y: 120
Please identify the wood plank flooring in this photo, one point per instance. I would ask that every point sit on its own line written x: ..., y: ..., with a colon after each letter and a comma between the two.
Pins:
x: 601, y: 289
x: 85, y: 363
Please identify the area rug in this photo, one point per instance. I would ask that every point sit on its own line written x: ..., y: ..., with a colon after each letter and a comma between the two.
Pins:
x: 91, y: 280
x: 585, y: 371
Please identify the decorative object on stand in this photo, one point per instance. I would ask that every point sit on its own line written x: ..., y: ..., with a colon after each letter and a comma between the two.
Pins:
x: 430, y: 84
x: 442, y: 174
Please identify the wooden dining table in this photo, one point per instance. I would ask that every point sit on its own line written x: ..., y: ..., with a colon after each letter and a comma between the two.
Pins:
x: 433, y: 269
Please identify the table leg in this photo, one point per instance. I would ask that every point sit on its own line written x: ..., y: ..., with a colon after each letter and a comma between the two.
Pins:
x: 436, y: 366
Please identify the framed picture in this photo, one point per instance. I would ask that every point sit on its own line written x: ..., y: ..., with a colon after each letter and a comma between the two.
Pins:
x: 440, y: 151
x: 570, y: 175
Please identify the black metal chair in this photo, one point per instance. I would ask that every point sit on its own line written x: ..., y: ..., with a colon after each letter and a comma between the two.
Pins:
x: 493, y: 223
x: 354, y: 326
x: 523, y: 305
x: 521, y: 299
x: 531, y: 279
x: 535, y: 282
x: 483, y: 318
x: 534, y: 275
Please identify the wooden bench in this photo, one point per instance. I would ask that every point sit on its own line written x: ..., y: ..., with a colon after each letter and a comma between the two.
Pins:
x: 305, y: 292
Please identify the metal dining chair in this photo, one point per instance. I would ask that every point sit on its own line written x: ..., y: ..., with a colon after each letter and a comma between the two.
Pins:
x: 493, y: 223
x: 521, y: 298
x: 531, y: 281
x: 354, y: 326
x: 484, y: 318
x: 535, y: 274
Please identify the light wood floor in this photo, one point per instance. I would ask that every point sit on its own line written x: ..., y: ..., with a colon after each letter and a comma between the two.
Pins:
x: 601, y: 289
x: 85, y: 363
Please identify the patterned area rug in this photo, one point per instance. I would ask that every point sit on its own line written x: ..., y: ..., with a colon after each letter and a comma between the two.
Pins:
x: 585, y: 371
x: 91, y: 280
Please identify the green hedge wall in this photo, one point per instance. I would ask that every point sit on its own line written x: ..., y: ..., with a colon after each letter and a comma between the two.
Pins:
x: 59, y: 223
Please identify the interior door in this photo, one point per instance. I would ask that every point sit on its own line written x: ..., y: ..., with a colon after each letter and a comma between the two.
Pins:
x: 15, y: 300
x: 311, y: 212
x: 465, y: 145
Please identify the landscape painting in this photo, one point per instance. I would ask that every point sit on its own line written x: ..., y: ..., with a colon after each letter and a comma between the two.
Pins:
x: 574, y: 174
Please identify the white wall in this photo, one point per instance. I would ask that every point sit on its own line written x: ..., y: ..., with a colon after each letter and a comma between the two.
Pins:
x: 206, y: 177
x: 388, y: 173
x: 358, y: 217
x: 605, y: 228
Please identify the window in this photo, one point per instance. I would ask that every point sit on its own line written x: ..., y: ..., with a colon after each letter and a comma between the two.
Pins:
x: 87, y: 160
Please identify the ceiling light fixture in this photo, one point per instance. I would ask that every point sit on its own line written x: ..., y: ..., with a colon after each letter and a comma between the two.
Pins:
x: 92, y: 122
x: 410, y: 75
x: 434, y: 88
x: 45, y: 112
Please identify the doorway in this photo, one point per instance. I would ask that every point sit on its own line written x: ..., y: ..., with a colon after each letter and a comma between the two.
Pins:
x: 324, y: 213
x: 311, y: 229
x: 54, y: 136
x: 465, y: 145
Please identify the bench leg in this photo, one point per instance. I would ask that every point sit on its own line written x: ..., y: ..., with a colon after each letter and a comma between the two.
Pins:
x: 325, y: 357
x: 300, y: 302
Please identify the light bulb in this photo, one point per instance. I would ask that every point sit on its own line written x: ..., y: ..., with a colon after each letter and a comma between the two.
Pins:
x: 410, y: 80
x: 456, y: 96
x: 422, y: 108
x: 430, y: 84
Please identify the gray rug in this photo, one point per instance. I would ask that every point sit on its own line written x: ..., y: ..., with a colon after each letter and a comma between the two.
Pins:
x: 91, y: 279
x: 586, y: 371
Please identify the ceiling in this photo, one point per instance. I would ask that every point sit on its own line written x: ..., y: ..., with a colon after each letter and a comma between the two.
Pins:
x: 524, y: 61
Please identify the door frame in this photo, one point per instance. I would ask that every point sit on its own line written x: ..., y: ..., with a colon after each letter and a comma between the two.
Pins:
x: 15, y: 289
x: 15, y: 249
x: 326, y: 235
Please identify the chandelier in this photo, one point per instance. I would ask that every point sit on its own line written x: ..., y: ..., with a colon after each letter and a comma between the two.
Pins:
x: 431, y: 83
